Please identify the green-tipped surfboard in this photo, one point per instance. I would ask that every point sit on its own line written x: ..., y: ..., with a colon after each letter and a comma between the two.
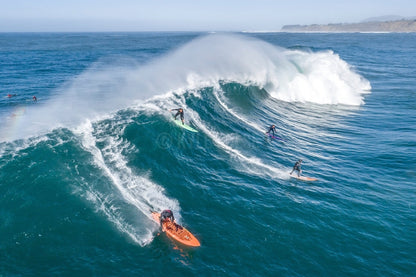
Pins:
x: 187, y: 127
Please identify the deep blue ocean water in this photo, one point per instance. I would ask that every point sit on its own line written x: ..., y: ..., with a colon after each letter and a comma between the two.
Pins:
x: 81, y: 168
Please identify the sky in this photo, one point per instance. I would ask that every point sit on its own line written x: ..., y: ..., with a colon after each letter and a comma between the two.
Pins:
x: 188, y: 15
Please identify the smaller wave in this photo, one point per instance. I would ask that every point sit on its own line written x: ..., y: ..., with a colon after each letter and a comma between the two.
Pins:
x: 141, y: 194
x: 12, y: 149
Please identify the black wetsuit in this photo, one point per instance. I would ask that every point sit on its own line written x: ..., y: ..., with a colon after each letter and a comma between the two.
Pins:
x: 297, y: 167
x: 165, y: 215
x: 271, y: 129
x: 180, y: 112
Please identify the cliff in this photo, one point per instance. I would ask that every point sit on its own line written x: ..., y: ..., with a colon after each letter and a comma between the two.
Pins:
x: 405, y: 26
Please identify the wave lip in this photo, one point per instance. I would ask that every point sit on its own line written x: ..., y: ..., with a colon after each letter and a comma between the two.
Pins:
x: 321, y: 78
x: 288, y: 75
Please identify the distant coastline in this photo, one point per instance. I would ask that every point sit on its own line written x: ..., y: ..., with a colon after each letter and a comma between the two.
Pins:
x: 396, y: 26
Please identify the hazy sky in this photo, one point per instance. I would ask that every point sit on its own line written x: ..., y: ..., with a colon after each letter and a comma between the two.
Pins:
x: 191, y: 15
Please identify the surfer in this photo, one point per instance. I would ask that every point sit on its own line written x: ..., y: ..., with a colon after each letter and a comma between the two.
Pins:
x: 271, y: 129
x: 34, y: 99
x: 166, y: 215
x: 179, y: 112
x: 11, y: 95
x: 297, y: 167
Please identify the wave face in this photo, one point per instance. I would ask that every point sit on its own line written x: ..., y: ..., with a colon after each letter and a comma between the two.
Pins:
x: 81, y: 169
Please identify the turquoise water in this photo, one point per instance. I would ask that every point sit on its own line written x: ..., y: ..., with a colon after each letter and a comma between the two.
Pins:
x: 81, y: 168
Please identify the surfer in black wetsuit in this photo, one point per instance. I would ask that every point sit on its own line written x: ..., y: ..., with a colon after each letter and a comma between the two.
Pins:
x: 271, y: 129
x: 165, y: 215
x: 297, y: 167
x: 179, y: 112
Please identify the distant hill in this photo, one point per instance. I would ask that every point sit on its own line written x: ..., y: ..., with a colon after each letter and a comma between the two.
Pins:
x: 401, y: 25
x: 388, y: 18
x: 385, y: 18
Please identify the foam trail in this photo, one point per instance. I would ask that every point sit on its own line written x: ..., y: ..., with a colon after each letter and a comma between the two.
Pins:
x: 138, y: 191
x: 248, y: 161
x: 230, y: 111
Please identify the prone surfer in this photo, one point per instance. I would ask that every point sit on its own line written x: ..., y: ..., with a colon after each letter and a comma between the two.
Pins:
x: 180, y: 113
x: 297, y: 167
x: 166, y: 215
x: 271, y: 129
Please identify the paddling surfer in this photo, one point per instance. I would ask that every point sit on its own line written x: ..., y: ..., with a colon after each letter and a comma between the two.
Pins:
x: 180, y: 113
x: 297, y: 167
x: 166, y: 215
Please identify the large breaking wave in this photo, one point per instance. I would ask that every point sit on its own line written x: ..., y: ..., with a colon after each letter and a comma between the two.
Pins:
x: 288, y: 75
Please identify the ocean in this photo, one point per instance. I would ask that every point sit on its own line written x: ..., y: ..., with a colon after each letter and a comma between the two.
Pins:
x: 82, y: 167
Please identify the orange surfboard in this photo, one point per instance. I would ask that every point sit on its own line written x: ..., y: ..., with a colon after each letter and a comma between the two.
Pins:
x: 177, y: 232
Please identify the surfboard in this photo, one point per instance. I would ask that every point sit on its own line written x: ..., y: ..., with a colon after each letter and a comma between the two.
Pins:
x: 303, y: 178
x: 186, y: 127
x: 177, y: 232
x: 274, y: 137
